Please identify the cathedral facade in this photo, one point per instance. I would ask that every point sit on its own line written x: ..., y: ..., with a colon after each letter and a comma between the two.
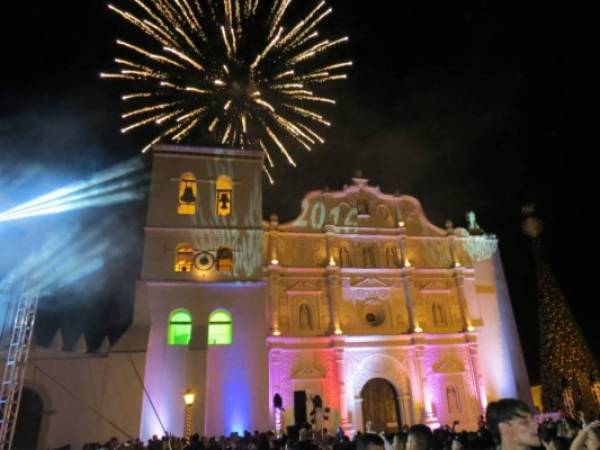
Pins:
x: 360, y: 302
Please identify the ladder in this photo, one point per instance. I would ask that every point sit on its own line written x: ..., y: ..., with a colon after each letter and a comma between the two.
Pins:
x: 16, y: 363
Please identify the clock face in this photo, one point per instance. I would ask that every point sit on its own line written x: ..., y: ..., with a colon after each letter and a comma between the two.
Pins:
x: 204, y: 261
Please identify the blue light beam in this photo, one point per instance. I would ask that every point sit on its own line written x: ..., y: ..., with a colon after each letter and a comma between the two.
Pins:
x: 100, y: 190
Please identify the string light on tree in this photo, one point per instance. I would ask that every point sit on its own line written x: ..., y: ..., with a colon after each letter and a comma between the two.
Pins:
x: 567, y: 364
x: 238, y: 72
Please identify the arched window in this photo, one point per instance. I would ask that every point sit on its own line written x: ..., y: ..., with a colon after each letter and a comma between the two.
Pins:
x: 224, y: 197
x: 224, y: 259
x: 188, y: 192
x: 220, y: 328
x: 184, y: 258
x: 180, y: 327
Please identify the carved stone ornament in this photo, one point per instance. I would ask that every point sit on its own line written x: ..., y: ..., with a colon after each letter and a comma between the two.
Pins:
x: 307, y: 373
x: 370, y: 283
x: 380, y: 366
x: 304, y: 285
x: 448, y: 364
x: 362, y: 294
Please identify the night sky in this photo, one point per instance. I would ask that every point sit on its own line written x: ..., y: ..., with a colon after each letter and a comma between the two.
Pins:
x: 465, y: 105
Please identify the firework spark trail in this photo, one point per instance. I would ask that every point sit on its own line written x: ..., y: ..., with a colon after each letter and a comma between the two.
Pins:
x: 240, y: 69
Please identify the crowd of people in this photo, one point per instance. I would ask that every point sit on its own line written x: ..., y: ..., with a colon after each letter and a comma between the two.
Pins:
x: 509, y: 424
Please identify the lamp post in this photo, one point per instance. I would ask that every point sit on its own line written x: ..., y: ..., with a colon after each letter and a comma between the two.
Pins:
x: 188, y: 399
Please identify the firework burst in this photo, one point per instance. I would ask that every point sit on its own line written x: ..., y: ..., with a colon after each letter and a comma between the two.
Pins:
x: 231, y: 69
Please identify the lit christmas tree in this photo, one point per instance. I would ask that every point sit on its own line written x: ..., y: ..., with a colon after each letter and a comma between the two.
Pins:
x: 569, y: 370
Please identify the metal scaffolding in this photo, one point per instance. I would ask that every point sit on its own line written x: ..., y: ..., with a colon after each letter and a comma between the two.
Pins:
x: 16, y: 363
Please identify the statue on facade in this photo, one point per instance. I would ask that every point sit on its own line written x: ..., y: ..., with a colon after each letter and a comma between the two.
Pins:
x: 305, y: 319
x: 472, y: 224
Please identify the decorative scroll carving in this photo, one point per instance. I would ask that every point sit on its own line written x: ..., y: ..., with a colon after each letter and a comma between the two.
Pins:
x: 343, y: 208
x: 362, y: 294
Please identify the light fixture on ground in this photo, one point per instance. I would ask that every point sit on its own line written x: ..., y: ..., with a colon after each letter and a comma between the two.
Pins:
x: 188, y: 400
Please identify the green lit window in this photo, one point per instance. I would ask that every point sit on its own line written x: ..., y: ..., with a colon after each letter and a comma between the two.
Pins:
x: 180, y: 327
x: 220, y: 328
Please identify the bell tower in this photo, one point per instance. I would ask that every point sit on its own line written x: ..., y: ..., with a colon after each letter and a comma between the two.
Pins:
x: 200, y: 309
x: 204, y: 215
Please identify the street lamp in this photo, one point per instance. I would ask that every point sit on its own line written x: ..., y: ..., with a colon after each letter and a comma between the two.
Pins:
x: 188, y: 399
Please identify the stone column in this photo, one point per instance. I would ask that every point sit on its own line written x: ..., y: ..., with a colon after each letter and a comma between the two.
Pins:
x: 274, y: 380
x: 477, y: 376
x: 339, y: 360
x: 274, y: 275
x: 407, y: 275
x: 333, y: 282
x: 408, y: 278
x: 274, y: 279
x: 459, y: 281
x: 429, y: 417
x: 406, y: 409
x: 358, y: 416
x: 330, y: 243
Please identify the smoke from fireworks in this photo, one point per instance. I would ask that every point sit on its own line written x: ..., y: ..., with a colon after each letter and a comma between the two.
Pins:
x: 231, y: 68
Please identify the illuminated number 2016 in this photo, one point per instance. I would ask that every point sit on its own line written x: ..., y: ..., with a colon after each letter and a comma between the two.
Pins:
x: 318, y: 215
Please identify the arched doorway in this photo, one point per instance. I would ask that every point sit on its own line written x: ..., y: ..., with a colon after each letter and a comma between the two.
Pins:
x: 380, y: 405
x: 29, y: 421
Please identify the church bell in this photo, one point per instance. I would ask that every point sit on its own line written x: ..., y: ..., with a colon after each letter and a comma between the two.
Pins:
x: 188, y: 195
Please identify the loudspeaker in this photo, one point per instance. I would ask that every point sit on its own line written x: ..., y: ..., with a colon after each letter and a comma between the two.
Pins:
x: 299, y: 407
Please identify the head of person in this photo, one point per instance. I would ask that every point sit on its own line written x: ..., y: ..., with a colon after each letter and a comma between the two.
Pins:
x: 399, y: 441
x: 458, y: 443
x: 547, y: 433
x: 419, y: 437
x: 511, y: 422
x: 369, y: 441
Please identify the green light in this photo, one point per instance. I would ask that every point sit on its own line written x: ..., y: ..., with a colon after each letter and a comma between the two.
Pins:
x: 180, y: 328
x: 220, y: 328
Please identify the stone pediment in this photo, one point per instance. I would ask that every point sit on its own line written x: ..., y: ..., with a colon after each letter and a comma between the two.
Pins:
x: 448, y: 365
x: 304, y: 373
x: 305, y: 285
x: 370, y: 283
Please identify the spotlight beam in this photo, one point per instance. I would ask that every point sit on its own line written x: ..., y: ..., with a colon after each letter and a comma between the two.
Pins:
x: 76, y: 201
x: 120, y: 197
x: 101, y: 189
x: 112, y: 173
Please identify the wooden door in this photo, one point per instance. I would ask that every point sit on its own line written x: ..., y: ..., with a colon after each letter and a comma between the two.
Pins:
x: 380, y: 406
